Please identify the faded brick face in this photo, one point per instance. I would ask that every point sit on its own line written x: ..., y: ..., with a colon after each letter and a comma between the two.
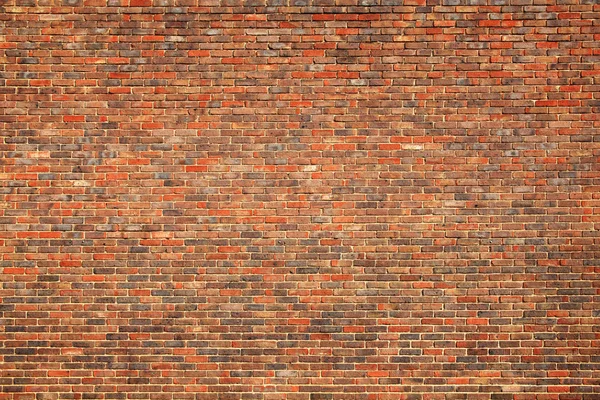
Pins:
x: 299, y: 199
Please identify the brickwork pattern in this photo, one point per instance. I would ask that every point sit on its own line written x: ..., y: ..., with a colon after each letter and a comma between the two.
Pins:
x: 299, y: 199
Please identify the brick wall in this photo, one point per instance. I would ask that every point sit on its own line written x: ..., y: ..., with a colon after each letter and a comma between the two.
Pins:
x: 299, y: 199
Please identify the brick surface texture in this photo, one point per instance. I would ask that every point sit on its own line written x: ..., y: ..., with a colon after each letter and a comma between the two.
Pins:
x: 300, y: 199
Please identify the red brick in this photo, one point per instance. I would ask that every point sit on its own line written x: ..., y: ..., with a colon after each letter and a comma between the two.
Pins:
x: 140, y: 3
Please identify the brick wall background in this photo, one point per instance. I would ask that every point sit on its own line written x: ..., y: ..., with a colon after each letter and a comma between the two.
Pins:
x: 299, y: 199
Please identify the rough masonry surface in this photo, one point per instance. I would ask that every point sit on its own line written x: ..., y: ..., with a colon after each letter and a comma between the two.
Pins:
x: 299, y: 199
